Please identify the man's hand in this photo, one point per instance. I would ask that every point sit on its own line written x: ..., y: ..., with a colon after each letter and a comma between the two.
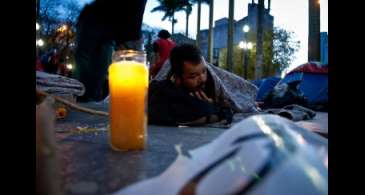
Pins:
x: 259, y: 105
x: 202, y: 96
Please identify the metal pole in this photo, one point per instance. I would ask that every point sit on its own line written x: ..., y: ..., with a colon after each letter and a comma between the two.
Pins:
x: 230, y: 36
x: 314, y: 31
x: 198, y: 25
x: 210, y: 35
x: 246, y: 63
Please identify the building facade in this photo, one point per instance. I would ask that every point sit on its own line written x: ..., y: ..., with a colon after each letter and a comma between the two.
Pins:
x: 220, y: 30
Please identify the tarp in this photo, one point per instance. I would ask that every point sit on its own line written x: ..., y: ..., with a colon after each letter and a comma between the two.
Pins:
x: 267, y: 85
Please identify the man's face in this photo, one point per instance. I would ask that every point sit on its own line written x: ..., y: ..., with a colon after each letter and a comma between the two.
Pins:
x: 194, y: 76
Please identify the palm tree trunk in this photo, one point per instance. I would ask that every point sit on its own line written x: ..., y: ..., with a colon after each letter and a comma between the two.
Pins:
x: 38, y: 6
x: 187, y: 25
x: 260, y: 40
x: 314, y: 31
x: 173, y: 23
x: 230, y: 36
x: 210, y: 35
x: 198, y: 27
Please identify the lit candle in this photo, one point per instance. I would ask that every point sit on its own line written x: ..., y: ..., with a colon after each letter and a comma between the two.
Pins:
x: 128, y: 86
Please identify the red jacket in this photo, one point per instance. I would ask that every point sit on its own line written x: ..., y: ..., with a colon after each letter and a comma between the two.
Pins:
x: 163, y: 48
x: 39, y: 66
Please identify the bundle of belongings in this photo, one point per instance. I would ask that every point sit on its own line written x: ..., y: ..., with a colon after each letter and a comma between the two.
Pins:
x: 301, y: 91
x: 306, y: 85
x: 287, y: 101
x: 58, y: 85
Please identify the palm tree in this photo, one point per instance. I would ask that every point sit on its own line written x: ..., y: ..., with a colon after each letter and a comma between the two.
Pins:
x: 260, y: 40
x: 230, y: 36
x: 188, y: 8
x: 170, y: 7
x: 314, y: 31
x: 199, y: 2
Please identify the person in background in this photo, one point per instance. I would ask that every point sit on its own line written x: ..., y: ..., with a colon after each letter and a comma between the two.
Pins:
x: 51, y: 61
x: 162, y: 48
x: 38, y: 63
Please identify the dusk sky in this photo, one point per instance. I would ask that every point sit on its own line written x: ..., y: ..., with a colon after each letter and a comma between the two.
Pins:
x: 291, y: 15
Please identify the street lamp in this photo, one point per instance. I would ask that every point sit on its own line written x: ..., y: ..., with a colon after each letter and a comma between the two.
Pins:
x: 39, y: 42
x: 246, y: 47
x: 249, y: 45
x: 69, y: 66
x: 242, y: 45
x: 246, y: 28
x: 37, y: 26
x: 62, y: 28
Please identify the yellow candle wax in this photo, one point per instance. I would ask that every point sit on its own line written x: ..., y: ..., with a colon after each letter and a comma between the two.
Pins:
x: 128, y: 86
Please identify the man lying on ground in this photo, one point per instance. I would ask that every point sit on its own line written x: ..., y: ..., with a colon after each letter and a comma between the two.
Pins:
x: 188, y: 91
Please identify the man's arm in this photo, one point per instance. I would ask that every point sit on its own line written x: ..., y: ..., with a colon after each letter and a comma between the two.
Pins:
x: 206, y: 119
x: 155, y: 52
x: 156, y: 58
x: 224, y: 113
x: 201, y: 121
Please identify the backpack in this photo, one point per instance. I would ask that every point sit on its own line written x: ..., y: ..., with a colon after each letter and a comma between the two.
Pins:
x: 283, y: 95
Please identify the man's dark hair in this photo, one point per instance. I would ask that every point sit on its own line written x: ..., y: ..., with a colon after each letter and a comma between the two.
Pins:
x: 183, y: 53
x: 164, y: 34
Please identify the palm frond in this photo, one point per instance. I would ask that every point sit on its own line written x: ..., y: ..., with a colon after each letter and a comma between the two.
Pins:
x: 159, y: 8
x: 166, y: 16
x: 202, y: 1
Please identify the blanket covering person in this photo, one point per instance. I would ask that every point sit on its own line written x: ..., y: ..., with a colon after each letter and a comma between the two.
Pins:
x: 238, y: 93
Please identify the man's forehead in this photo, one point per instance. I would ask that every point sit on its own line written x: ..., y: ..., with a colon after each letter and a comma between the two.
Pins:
x: 193, y: 67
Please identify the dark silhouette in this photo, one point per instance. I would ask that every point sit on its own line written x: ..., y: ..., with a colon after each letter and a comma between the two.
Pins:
x: 102, y: 26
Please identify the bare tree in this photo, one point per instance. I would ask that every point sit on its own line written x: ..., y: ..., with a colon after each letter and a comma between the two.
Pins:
x: 52, y: 13
x: 73, y: 10
x: 47, y: 16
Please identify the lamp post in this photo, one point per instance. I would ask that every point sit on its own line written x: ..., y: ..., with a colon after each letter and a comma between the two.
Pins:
x: 248, y: 49
x: 245, y: 47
